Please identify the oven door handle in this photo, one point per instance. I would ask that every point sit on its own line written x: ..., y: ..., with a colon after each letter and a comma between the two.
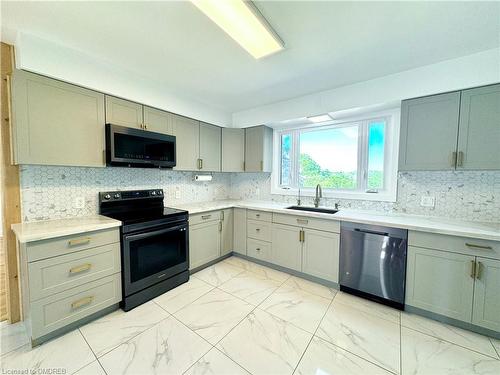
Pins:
x: 134, y: 237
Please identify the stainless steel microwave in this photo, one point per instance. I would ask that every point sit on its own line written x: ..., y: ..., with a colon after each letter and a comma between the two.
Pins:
x: 129, y: 147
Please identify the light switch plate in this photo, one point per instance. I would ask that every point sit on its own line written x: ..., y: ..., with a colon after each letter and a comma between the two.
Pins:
x: 79, y: 202
x: 426, y: 201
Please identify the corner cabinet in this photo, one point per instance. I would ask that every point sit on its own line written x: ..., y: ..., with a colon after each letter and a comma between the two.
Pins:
x: 56, y: 123
x: 258, y: 149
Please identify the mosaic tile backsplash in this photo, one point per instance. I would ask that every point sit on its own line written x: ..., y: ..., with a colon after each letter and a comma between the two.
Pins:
x: 49, y: 192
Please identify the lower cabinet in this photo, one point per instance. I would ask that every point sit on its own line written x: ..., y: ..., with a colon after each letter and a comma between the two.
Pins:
x: 286, y: 246
x: 486, y: 309
x: 240, y: 231
x: 227, y: 231
x: 320, y: 254
x: 204, y: 243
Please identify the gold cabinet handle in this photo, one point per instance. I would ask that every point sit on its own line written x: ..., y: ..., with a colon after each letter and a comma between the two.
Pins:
x: 220, y: 226
x: 261, y: 166
x: 222, y: 215
x: 79, y: 241
x: 146, y: 126
x: 302, y: 221
x: 205, y: 217
x: 257, y: 215
x: 81, y: 268
x: 478, y: 270
x: 82, y: 302
x: 483, y: 247
x: 257, y: 229
x: 258, y: 249
x: 460, y: 159
x: 454, y: 159
x: 200, y: 163
x: 472, y: 268
x: 301, y: 236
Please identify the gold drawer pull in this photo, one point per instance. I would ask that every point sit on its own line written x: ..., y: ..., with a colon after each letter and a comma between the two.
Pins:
x: 257, y: 215
x: 82, y: 302
x: 79, y: 241
x: 472, y: 269
x: 258, y: 249
x: 81, y: 268
x: 302, y: 221
x: 478, y: 246
x: 257, y: 229
x: 205, y: 217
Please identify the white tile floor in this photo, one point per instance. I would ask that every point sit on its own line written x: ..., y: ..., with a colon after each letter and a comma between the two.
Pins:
x: 238, y: 317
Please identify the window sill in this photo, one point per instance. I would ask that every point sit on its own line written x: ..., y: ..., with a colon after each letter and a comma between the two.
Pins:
x: 379, y: 197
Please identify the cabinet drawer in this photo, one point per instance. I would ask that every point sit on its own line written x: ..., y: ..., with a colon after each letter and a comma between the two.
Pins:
x: 54, y: 275
x: 259, y: 249
x: 69, y: 244
x: 259, y: 215
x: 308, y: 222
x: 456, y: 244
x: 259, y: 230
x: 204, y: 217
x: 61, y: 309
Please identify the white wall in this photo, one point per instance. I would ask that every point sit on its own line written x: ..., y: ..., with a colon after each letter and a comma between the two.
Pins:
x: 473, y: 70
x: 43, y: 57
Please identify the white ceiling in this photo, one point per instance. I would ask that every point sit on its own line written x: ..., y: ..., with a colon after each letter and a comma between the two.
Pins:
x: 328, y: 44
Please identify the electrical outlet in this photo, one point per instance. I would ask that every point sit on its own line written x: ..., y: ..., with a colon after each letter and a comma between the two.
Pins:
x: 426, y: 201
x: 177, y: 193
x: 79, y: 202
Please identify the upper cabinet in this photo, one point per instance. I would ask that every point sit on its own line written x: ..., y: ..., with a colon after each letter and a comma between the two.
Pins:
x: 457, y: 130
x: 187, y: 133
x: 479, y: 130
x: 56, y: 123
x: 157, y: 120
x: 258, y: 149
x: 210, y: 147
x: 233, y: 150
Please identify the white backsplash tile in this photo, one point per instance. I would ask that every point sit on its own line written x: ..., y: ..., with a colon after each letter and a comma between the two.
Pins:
x: 48, y: 192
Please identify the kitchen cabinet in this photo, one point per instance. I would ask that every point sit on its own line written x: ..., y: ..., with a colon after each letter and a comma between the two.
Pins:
x: 210, y: 148
x: 56, y: 123
x: 486, y: 311
x: 124, y: 112
x: 429, y: 129
x: 187, y: 133
x: 479, y: 128
x: 441, y: 282
x: 227, y: 223
x: 320, y: 254
x: 157, y: 120
x: 233, y: 150
x: 204, y: 243
x: 258, y: 149
x: 240, y: 231
x: 286, y: 246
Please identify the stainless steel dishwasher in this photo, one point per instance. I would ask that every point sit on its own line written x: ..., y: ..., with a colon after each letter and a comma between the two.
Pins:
x: 373, y: 262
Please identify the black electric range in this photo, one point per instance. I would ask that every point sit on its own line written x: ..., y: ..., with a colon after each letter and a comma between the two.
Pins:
x: 154, y: 243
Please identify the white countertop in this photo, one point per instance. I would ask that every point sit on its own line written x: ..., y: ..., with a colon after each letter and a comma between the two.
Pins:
x: 486, y: 231
x: 43, y: 230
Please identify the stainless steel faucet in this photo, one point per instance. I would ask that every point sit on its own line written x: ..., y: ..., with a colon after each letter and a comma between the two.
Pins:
x: 319, y: 195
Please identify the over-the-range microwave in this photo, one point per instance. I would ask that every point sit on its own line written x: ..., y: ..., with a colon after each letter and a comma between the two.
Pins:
x: 129, y: 147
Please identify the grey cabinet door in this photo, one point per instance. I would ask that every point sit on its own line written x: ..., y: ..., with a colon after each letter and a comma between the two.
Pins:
x: 240, y: 231
x: 56, y: 123
x: 157, y: 120
x: 479, y: 131
x: 227, y: 231
x: 487, y: 294
x: 187, y: 133
x: 123, y: 112
x: 210, y: 147
x: 440, y: 282
x: 320, y: 256
x: 258, y: 149
x: 286, y: 248
x: 233, y: 150
x: 429, y: 130
x: 204, y: 243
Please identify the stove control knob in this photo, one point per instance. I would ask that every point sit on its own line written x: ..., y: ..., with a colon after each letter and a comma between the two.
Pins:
x: 107, y: 197
x: 153, y: 192
x: 117, y: 196
x: 160, y: 192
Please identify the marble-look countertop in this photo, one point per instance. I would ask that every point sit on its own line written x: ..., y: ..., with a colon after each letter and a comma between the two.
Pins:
x: 486, y: 231
x: 43, y: 230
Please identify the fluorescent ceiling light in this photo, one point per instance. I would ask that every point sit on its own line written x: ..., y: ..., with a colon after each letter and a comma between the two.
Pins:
x: 320, y: 118
x: 244, y: 23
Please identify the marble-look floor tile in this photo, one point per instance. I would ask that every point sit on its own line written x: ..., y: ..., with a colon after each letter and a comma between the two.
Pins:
x: 368, y: 336
x: 268, y: 272
x: 184, y: 294
x: 214, y: 315
x: 237, y: 262
x: 167, y: 348
x: 303, y: 309
x: 422, y: 354
x: 496, y: 344
x: 374, y: 308
x: 218, y: 274
x: 323, y: 358
x: 92, y: 369
x: 265, y: 344
x: 69, y: 353
x: 311, y: 287
x: 251, y: 287
x: 467, y: 339
x: 12, y: 336
x: 216, y: 363
x: 113, y: 329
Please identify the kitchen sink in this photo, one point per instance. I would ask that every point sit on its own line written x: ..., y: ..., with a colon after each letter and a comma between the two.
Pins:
x: 314, y: 209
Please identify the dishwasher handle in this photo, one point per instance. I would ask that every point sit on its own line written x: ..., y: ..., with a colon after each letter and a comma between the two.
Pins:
x: 385, y: 234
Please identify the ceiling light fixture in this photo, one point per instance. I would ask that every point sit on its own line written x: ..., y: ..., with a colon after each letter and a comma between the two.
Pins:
x: 320, y: 118
x: 244, y: 23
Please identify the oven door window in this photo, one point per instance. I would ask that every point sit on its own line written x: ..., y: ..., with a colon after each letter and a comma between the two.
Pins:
x: 156, y: 255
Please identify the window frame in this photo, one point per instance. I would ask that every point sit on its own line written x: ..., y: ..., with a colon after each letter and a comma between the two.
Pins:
x: 388, y: 192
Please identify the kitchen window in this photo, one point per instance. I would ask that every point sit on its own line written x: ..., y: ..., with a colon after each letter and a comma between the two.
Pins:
x: 355, y: 158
